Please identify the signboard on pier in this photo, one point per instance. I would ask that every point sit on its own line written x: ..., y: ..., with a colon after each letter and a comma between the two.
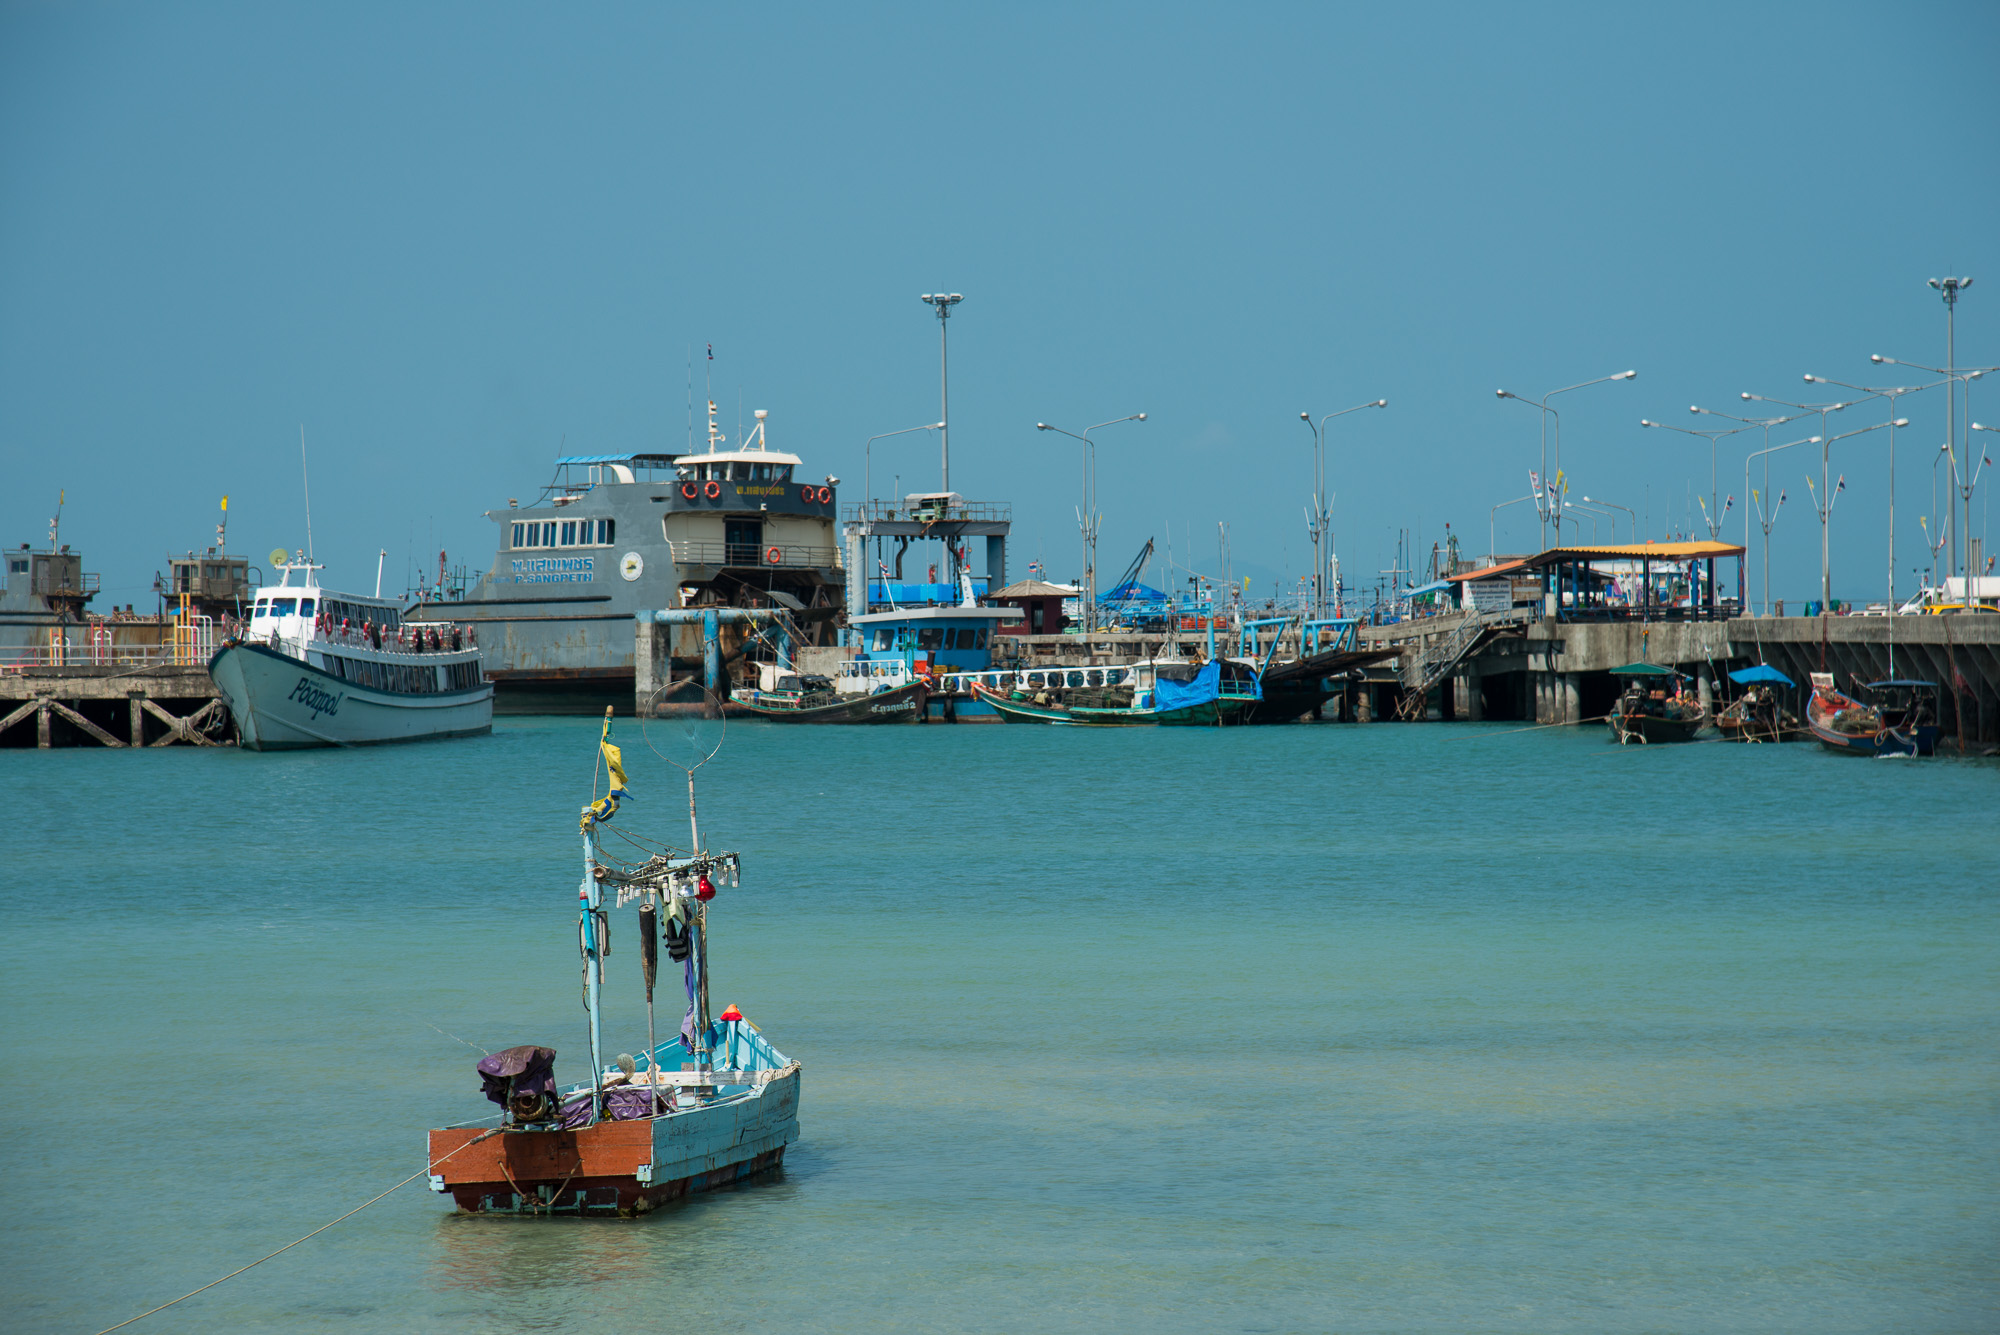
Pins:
x: 1489, y: 595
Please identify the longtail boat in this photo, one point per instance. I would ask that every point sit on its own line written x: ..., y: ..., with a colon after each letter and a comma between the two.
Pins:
x: 803, y: 699
x: 1759, y: 714
x: 1655, y: 706
x: 716, y: 1104
x: 1900, y: 718
x: 1216, y: 695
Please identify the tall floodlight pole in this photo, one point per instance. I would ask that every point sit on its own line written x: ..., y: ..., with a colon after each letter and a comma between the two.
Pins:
x: 944, y: 301
x: 1087, y: 518
x: 1823, y: 502
x: 1551, y: 507
x: 1766, y: 518
x: 1318, y: 517
x: 1712, y: 518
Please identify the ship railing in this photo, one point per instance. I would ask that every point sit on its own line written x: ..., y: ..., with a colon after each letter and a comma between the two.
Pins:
x: 400, y: 644
x: 886, y: 512
x: 771, y: 555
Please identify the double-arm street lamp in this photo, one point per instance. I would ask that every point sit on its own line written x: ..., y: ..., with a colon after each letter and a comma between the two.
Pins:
x: 1712, y: 515
x: 1962, y: 479
x: 1823, y: 502
x: 1317, y: 515
x: 1087, y: 518
x: 1766, y: 423
x: 1766, y: 518
x: 1549, y: 502
x: 1629, y: 515
x: 1891, y: 393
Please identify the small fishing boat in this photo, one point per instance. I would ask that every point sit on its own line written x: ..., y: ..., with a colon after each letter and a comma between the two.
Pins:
x: 1899, y: 718
x: 806, y: 698
x: 715, y: 1105
x: 1655, y: 706
x: 1216, y: 694
x: 1758, y: 715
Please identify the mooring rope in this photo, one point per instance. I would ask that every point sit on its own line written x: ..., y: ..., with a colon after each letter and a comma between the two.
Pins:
x: 296, y: 1241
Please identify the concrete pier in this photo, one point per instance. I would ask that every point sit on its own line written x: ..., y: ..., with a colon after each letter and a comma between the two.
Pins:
x: 155, y: 705
x: 1559, y: 672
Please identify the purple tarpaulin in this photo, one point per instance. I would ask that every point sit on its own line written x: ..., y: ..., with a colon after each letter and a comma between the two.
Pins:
x: 524, y: 1071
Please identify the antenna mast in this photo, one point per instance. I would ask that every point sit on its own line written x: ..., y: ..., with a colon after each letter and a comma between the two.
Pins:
x: 306, y: 480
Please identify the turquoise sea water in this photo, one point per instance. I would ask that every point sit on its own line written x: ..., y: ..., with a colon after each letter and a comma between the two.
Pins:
x: 1380, y: 1028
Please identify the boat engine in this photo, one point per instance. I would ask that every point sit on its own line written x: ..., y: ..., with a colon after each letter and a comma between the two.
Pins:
x: 522, y: 1081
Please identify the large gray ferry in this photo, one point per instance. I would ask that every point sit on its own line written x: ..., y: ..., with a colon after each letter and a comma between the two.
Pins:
x: 613, y: 535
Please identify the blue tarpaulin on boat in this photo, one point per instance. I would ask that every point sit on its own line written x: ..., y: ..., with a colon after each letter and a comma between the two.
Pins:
x: 1751, y: 676
x: 1206, y: 686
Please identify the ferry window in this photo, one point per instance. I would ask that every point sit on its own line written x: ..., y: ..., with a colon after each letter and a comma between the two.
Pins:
x: 1114, y: 677
x: 569, y: 533
x: 951, y: 637
x: 980, y: 643
x: 741, y: 472
x: 1096, y: 678
x: 607, y: 532
x: 549, y: 534
x: 1035, y: 679
x: 686, y: 472
x: 282, y: 607
x: 517, y: 535
x: 884, y: 639
x: 1076, y: 679
x: 760, y: 472
x: 930, y: 637
x: 305, y: 607
x: 783, y: 471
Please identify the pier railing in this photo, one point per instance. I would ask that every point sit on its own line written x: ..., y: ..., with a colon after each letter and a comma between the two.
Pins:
x: 96, y: 644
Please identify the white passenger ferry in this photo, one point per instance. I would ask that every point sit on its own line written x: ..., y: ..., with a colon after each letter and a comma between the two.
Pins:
x: 322, y: 668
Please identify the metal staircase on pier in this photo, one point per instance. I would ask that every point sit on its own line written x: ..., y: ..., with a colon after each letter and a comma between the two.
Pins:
x: 1442, y: 654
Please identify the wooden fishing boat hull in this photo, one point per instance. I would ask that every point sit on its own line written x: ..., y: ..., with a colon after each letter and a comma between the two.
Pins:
x: 1650, y: 729
x: 1761, y: 730
x: 619, y: 1169
x: 905, y: 704
x: 1210, y: 714
x: 1823, y: 706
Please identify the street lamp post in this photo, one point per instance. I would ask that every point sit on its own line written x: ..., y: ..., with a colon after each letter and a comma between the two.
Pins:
x: 1631, y: 517
x: 1713, y: 517
x: 1317, y: 517
x: 867, y: 457
x: 1492, y: 546
x: 1766, y: 518
x: 1823, y: 502
x: 1766, y: 423
x: 944, y: 301
x: 1087, y: 517
x: 1953, y: 377
x: 1552, y: 508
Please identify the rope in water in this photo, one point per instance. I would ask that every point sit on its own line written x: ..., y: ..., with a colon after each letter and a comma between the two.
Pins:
x: 295, y: 1242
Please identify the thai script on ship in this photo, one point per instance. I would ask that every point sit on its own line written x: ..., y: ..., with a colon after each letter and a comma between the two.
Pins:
x: 555, y: 570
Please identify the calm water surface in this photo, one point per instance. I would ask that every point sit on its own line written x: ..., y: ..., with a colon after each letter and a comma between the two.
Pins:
x: 1384, y: 1028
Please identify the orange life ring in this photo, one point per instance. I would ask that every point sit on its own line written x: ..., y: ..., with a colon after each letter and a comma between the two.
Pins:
x: 712, y: 490
x: 825, y: 495
x: 806, y: 494
x: 690, y: 490
x: 772, y: 556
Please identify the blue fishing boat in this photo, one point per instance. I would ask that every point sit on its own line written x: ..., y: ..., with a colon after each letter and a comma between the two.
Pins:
x: 716, y: 1104
x: 1215, y: 694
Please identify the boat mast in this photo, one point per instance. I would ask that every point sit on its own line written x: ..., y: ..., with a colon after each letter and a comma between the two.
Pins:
x: 590, y: 900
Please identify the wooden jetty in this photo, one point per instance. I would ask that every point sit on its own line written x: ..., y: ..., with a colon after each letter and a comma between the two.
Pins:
x: 155, y: 704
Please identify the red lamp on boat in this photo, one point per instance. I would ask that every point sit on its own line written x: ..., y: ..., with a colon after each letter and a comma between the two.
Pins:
x: 704, y: 889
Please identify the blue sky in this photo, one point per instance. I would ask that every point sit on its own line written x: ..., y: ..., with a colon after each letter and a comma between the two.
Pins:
x: 445, y: 238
